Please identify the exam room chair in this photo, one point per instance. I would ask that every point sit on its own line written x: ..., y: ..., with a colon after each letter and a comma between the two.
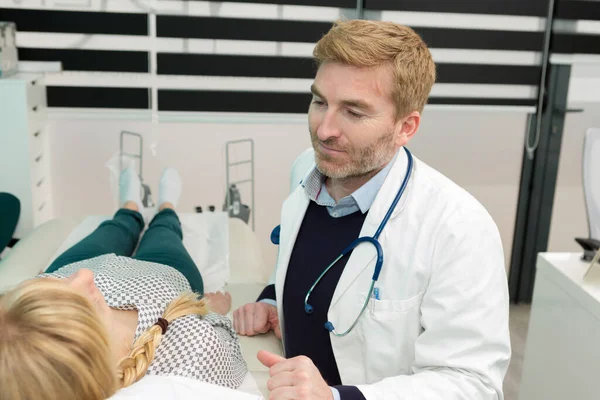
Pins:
x: 591, y: 188
x: 10, y: 211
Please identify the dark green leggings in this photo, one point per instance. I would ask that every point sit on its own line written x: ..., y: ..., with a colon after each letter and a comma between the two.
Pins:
x: 162, y: 244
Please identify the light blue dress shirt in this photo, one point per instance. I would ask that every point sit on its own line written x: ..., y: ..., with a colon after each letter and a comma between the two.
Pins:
x: 361, y: 199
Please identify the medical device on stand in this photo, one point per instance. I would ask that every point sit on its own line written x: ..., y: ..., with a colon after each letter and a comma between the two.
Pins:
x: 9, y: 57
x: 146, y: 193
x: 591, y: 188
x: 233, y: 203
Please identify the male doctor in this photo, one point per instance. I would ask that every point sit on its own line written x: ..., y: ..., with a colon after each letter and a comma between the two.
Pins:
x: 435, y: 325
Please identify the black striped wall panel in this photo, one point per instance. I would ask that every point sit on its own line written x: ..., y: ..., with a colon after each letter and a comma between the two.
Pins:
x: 314, y: 3
x: 502, y: 7
x: 235, y: 65
x: 98, y: 97
x: 311, y: 32
x: 76, y: 21
x: 179, y: 26
x: 207, y: 101
x: 276, y: 98
x: 291, y: 67
x: 580, y: 9
x: 575, y: 43
x: 91, y: 60
x: 461, y: 101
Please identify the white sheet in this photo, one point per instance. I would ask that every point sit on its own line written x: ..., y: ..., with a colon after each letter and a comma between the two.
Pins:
x: 205, y: 236
x: 179, y: 388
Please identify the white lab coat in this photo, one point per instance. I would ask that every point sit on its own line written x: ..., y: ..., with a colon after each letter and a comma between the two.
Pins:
x: 440, y: 328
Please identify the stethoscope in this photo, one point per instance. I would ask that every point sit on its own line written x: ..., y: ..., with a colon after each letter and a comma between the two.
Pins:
x: 365, y: 239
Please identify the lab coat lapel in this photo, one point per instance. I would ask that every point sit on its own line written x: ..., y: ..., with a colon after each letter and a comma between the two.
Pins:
x: 293, y: 213
x: 364, y: 255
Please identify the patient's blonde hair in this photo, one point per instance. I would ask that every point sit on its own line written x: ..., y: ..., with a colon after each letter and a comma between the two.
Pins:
x: 53, y: 344
x: 134, y: 366
x: 370, y: 44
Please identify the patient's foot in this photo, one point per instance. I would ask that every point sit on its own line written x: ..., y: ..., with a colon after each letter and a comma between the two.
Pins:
x: 165, y: 206
x: 130, y: 189
x: 169, y: 189
x: 131, y: 205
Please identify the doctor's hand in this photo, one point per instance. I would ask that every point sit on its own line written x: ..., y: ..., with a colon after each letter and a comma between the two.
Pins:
x: 255, y: 318
x: 294, y: 379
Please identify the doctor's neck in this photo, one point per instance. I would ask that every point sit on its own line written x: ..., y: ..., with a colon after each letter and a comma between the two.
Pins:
x: 340, y: 188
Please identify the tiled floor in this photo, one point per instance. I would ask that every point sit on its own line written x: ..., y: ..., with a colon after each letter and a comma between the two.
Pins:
x: 519, y: 323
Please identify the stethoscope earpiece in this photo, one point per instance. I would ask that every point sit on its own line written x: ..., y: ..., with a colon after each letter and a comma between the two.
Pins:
x: 308, y: 308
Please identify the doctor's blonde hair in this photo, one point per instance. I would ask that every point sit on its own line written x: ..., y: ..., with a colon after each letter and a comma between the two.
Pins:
x: 53, y: 344
x: 371, y: 44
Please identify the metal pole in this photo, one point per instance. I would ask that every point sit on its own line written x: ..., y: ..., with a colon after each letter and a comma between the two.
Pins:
x: 538, y: 185
x: 531, y: 148
x: 253, y: 211
x: 359, y: 9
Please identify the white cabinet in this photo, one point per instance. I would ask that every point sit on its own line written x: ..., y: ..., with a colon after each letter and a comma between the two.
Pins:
x: 562, y: 356
x: 24, y: 148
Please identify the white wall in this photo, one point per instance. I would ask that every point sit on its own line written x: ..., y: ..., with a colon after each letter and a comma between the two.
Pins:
x: 481, y: 151
x: 82, y: 148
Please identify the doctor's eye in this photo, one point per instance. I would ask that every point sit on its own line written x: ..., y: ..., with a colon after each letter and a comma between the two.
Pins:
x: 318, y: 102
x: 354, y: 114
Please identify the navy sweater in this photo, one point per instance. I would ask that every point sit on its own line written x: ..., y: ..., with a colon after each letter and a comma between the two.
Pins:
x: 320, y: 240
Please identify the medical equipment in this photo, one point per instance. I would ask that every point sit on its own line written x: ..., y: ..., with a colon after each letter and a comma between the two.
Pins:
x: 591, y: 188
x: 373, y: 240
x: 146, y: 193
x: 9, y: 57
x: 233, y: 203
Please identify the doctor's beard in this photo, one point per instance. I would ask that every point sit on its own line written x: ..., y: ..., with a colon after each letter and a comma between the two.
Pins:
x: 355, y: 162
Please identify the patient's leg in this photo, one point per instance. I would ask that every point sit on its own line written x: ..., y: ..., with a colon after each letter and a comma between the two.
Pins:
x: 162, y: 243
x: 119, y: 236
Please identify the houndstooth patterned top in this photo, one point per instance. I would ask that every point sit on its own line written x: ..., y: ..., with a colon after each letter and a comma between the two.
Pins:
x: 203, y: 348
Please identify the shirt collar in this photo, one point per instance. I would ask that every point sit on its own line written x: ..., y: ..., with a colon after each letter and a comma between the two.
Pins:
x: 363, y: 196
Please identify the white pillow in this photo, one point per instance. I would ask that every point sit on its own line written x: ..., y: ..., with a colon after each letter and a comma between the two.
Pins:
x: 179, y: 388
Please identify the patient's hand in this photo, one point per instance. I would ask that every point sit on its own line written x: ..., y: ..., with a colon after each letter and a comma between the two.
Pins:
x: 219, y: 302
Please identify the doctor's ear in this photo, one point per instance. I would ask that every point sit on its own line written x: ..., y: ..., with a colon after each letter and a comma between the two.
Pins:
x: 407, y: 127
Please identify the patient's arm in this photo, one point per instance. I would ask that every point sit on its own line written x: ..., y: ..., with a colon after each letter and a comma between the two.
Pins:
x: 219, y: 302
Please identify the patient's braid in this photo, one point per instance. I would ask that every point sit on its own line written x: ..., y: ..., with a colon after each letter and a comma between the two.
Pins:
x: 134, y: 366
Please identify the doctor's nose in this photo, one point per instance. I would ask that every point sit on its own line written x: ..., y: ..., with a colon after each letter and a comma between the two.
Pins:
x: 328, y: 128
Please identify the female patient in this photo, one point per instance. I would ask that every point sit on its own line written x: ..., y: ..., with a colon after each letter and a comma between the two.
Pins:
x: 107, y: 318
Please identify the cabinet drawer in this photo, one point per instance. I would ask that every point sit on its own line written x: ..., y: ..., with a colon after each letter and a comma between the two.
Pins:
x: 40, y: 189
x: 37, y: 142
x: 42, y: 212
x: 36, y: 95
x: 39, y: 166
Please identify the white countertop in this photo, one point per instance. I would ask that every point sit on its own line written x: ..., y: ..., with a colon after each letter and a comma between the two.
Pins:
x: 567, y: 270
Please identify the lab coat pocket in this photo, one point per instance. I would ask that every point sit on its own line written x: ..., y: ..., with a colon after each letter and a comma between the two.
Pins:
x: 388, y: 308
x: 390, y: 329
x: 383, y: 307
